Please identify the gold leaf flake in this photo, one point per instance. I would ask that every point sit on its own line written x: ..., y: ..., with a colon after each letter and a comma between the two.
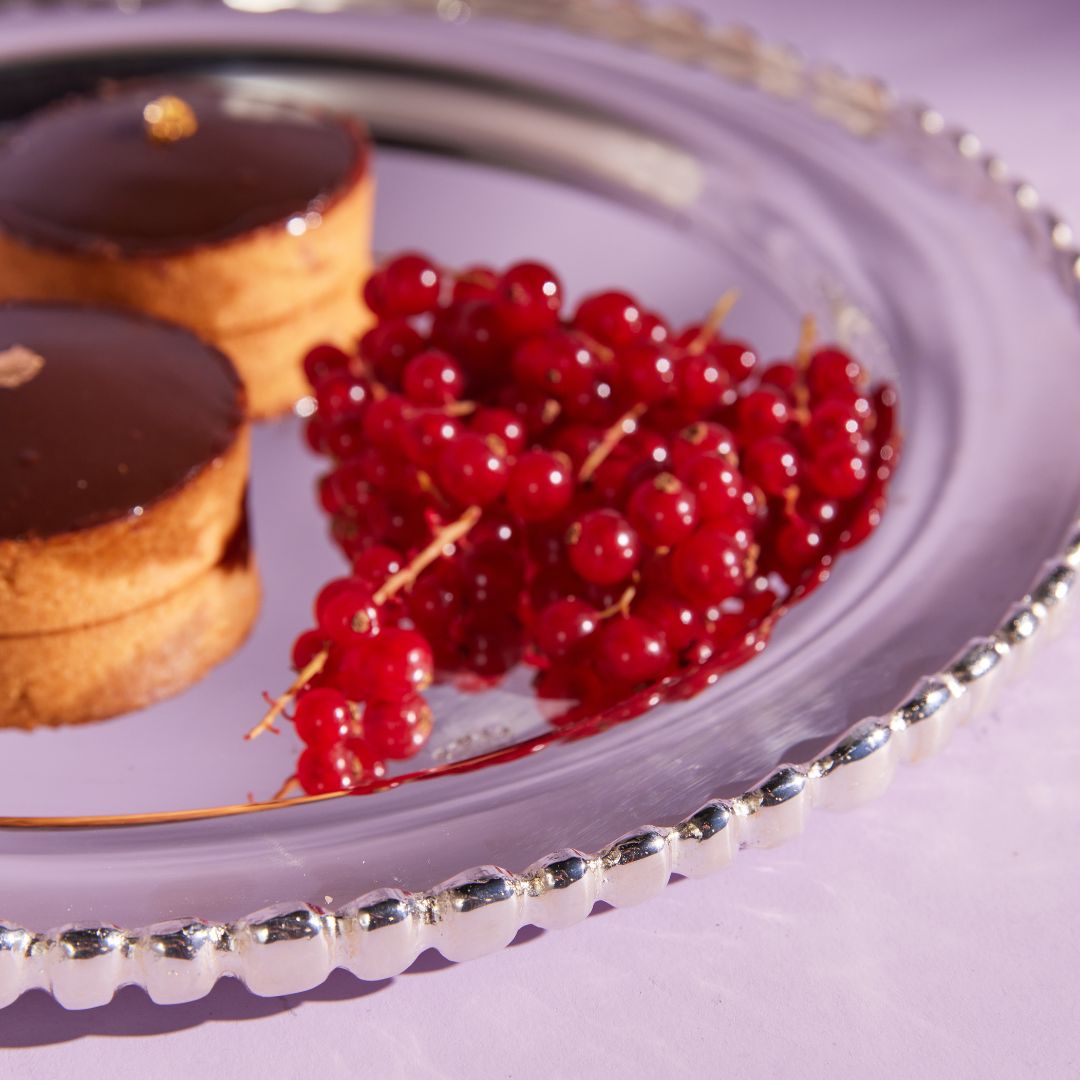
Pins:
x: 169, y: 119
x: 18, y: 365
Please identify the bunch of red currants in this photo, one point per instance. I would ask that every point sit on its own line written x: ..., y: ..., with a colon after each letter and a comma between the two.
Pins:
x: 603, y: 496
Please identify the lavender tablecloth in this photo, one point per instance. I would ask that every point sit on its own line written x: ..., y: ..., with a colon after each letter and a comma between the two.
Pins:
x: 932, y: 933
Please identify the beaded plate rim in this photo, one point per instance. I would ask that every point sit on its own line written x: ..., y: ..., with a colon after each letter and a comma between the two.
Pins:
x: 292, y: 947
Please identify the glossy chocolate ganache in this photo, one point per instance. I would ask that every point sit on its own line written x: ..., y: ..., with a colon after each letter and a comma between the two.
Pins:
x: 102, y: 413
x: 87, y: 174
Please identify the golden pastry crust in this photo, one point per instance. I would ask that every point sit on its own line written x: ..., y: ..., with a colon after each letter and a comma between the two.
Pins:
x: 269, y: 358
x: 128, y: 663
x: 79, y: 578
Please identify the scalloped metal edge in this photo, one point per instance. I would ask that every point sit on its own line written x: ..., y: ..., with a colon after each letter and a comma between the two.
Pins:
x: 289, y: 948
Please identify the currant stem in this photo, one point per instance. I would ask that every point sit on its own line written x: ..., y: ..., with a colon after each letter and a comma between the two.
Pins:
x: 807, y: 339
x: 605, y: 352
x: 621, y: 606
x: 751, y: 564
x: 406, y: 576
x: 625, y: 425
x: 716, y: 318
x: 450, y: 534
x: 427, y: 485
x: 307, y: 673
x: 286, y: 789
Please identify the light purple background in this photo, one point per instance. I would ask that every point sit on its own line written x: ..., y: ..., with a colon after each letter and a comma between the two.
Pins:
x: 932, y: 933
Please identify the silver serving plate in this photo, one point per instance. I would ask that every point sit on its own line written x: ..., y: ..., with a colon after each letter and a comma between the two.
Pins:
x: 711, y: 156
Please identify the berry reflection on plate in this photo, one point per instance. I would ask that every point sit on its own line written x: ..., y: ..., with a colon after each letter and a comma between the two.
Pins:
x: 626, y: 506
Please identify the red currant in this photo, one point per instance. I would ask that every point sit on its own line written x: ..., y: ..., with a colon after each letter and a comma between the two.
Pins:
x: 839, y: 472
x: 346, y: 612
x: 611, y: 318
x: 833, y: 372
x: 603, y: 548
x: 562, y: 626
x: 646, y: 373
x: 865, y: 520
x: 338, y: 768
x: 835, y: 420
x: 540, y: 486
x: 388, y: 347
x: 373, y: 567
x: 397, y: 729
x: 654, y: 328
x: 763, y: 412
x: 316, y: 431
x: 384, y: 421
x: 475, y: 283
x: 701, y: 438
x: 322, y: 717
x: 473, y: 333
x: 632, y: 650
x: 491, y: 644
x: 497, y: 535
x: 556, y: 364
x: 782, y: 375
x: 663, y: 511
x: 551, y: 583
x: 819, y: 511
x: 407, y: 285
x: 323, y: 361
x: 339, y: 397
x: 646, y: 447
x: 424, y: 437
x: 577, y: 442
x: 773, y: 464
x: 528, y: 298
x: 798, y: 544
x: 472, y: 471
x: 736, y: 357
x: 344, y: 439
x: 388, y: 666
x: 680, y: 623
x: 708, y: 566
x: 723, y: 497
x: 491, y: 577
x: 306, y: 647
x: 702, y: 383
x: 432, y: 378
x: 435, y: 598
x: 596, y: 406
x: 505, y: 425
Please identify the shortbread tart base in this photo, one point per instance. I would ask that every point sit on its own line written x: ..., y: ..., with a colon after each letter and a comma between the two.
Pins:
x: 127, y: 663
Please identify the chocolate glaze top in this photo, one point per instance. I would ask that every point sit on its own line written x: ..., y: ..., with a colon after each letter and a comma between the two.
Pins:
x: 84, y: 175
x: 124, y: 410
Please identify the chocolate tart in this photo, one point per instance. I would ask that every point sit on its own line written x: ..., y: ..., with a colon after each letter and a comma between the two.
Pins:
x: 248, y: 221
x: 124, y: 454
